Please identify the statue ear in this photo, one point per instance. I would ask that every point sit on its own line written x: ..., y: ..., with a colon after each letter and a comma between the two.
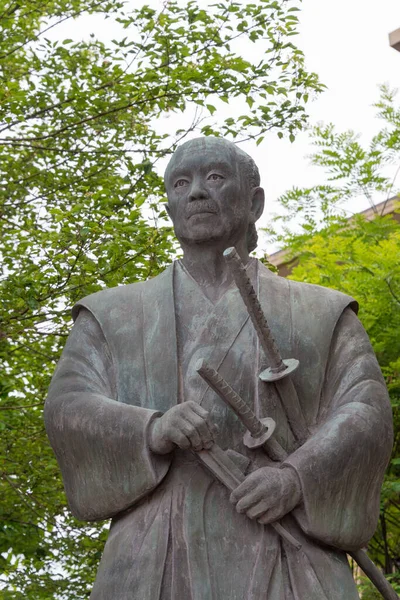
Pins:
x: 257, y: 203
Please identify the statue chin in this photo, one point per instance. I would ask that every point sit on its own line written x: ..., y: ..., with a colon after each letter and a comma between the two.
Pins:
x: 200, y: 237
x: 205, y: 234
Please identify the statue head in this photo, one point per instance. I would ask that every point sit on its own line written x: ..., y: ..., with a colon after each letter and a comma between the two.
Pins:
x: 214, y: 193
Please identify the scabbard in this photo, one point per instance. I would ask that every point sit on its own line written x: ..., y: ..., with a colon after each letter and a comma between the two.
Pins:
x: 375, y: 575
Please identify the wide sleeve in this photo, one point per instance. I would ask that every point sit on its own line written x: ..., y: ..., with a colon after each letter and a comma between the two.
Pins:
x: 100, y: 443
x: 342, y: 464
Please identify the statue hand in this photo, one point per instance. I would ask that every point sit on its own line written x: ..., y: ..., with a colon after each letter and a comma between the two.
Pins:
x: 185, y: 425
x: 268, y: 494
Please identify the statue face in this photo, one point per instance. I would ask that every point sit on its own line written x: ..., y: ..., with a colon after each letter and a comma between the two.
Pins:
x: 208, y: 199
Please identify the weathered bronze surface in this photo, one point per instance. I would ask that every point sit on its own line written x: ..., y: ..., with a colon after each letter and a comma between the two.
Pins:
x: 129, y: 416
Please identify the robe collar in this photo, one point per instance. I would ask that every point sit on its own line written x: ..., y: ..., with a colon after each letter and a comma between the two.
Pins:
x: 160, y: 341
x: 218, y: 333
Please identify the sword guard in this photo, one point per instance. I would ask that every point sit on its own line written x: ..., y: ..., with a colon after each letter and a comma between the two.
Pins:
x: 268, y: 374
x: 256, y: 442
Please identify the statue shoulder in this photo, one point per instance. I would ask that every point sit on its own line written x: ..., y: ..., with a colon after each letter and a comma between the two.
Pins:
x: 306, y: 295
x: 120, y: 298
x: 317, y: 295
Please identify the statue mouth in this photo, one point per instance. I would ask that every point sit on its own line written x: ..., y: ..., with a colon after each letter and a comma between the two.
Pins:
x: 199, y: 208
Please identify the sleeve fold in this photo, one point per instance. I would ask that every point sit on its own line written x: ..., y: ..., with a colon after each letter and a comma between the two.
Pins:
x: 100, y: 443
x: 342, y: 464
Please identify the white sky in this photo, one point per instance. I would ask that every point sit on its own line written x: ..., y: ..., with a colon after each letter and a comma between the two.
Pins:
x: 346, y: 43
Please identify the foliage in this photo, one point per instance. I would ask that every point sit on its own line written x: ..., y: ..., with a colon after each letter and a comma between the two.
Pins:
x: 81, y: 206
x: 360, y: 257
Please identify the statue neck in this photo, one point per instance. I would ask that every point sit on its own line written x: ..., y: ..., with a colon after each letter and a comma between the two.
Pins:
x: 208, y: 268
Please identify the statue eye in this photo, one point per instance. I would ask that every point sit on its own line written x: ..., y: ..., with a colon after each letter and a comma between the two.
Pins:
x: 214, y: 177
x: 181, y: 183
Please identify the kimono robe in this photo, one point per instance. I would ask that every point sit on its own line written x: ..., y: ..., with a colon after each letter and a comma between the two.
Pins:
x: 131, y: 356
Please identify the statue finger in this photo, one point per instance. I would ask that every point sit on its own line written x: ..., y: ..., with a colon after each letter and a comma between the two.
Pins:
x: 272, y: 515
x: 242, y: 490
x: 203, y: 430
x: 190, y: 431
x: 266, y: 518
x: 199, y: 410
x: 248, y: 501
x: 212, y: 427
x: 258, y: 510
x: 180, y: 440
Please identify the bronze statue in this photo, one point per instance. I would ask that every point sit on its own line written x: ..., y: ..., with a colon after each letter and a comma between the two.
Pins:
x: 140, y: 421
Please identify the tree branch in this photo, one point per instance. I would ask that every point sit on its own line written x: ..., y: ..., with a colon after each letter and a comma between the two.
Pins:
x: 392, y: 292
x: 21, y: 407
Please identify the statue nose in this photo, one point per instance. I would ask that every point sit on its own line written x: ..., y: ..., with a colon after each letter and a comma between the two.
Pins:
x: 198, y: 191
